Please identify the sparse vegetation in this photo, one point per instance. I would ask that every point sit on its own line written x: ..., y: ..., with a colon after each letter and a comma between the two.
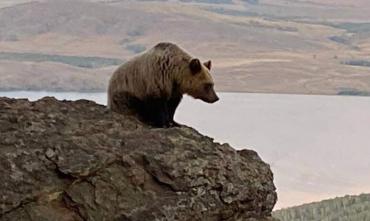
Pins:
x: 210, y: 1
x: 135, y: 32
x: 340, y: 39
x: 348, y: 208
x: 10, y: 37
x: 136, y: 48
x: 362, y: 63
x: 232, y: 12
x: 353, y: 92
x: 82, y: 62
x: 253, y: 2
x: 354, y: 27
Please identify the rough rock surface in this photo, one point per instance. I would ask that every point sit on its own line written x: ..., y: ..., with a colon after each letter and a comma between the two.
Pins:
x: 66, y: 161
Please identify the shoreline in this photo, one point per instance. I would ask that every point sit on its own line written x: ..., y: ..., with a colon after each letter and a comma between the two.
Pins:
x: 218, y: 91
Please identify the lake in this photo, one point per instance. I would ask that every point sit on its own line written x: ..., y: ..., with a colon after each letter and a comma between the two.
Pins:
x: 318, y: 146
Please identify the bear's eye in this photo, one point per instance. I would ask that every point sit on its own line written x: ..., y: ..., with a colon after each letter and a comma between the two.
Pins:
x: 208, y: 86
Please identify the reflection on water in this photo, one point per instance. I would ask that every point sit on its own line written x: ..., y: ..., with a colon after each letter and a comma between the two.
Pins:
x: 318, y: 146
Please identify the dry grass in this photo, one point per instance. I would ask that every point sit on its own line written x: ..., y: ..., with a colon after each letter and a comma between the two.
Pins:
x: 251, y: 53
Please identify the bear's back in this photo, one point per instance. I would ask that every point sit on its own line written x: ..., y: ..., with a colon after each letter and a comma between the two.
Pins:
x: 151, y: 72
x: 167, y: 49
x: 164, y: 45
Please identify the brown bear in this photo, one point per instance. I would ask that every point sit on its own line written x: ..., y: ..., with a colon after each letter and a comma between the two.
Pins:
x: 152, y: 84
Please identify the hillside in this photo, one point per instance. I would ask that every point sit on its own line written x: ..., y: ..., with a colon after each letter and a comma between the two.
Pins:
x: 284, y: 46
x: 348, y: 208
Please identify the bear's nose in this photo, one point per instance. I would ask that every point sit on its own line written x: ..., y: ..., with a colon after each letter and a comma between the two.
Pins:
x: 215, y: 99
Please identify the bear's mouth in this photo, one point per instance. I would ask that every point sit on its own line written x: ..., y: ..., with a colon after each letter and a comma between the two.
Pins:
x: 211, y: 100
x: 214, y: 100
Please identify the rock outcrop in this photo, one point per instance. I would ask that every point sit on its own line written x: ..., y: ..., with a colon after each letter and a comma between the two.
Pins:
x: 67, y: 161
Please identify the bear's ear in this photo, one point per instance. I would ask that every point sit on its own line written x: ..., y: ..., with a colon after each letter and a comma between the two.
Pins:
x: 195, y: 66
x: 208, y: 64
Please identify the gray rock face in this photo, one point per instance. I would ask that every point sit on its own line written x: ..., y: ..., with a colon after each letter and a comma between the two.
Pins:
x: 67, y: 161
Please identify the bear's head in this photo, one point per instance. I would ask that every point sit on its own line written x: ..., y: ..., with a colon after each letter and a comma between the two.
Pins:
x: 198, y: 81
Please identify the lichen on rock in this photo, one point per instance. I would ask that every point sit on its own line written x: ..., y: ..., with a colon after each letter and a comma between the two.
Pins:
x: 66, y: 161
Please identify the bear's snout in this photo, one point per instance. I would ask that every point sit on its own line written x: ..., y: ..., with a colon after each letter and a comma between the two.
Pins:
x: 212, y: 98
x: 215, y: 99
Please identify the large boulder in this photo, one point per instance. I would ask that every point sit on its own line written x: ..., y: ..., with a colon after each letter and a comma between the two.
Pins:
x: 66, y: 161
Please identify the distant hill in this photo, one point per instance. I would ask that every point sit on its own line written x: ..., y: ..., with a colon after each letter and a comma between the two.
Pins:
x: 272, y: 46
x: 348, y: 208
x: 82, y: 62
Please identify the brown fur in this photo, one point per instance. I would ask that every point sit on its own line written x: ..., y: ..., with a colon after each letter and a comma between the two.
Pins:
x: 162, y: 73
